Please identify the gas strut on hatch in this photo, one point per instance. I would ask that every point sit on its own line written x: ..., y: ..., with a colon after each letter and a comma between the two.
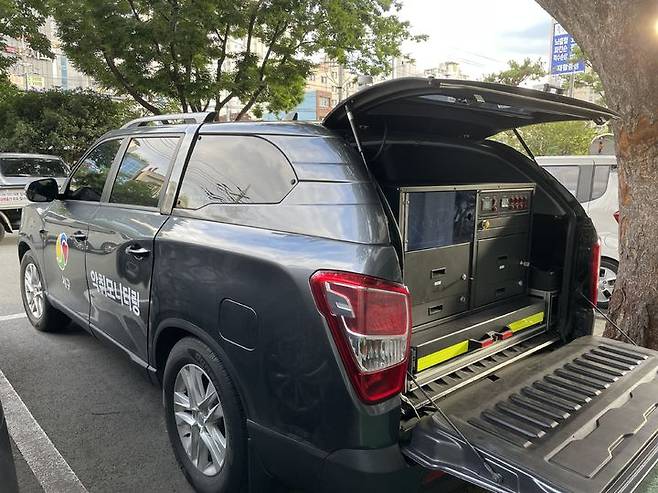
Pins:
x: 396, y: 237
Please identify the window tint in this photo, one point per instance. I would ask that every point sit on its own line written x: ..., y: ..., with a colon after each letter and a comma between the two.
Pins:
x: 600, y: 181
x: 88, y: 180
x: 143, y: 171
x: 229, y: 169
x: 567, y: 175
x: 32, y: 166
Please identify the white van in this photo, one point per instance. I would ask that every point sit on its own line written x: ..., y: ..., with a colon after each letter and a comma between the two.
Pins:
x: 594, y: 182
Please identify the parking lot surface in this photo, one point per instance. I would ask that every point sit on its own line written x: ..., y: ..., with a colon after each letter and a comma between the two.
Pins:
x: 98, y: 410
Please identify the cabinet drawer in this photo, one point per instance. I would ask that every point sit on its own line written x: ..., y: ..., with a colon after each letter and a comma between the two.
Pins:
x: 439, y: 308
x: 501, y: 258
x: 489, y: 292
x: 437, y: 272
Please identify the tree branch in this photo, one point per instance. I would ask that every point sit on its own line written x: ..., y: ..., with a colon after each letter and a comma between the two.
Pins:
x: 126, y: 85
x: 220, y: 64
x: 280, y: 29
x: 250, y: 103
x: 172, y: 70
x: 250, y: 30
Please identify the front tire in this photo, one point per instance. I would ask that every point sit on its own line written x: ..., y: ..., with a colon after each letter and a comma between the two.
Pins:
x: 204, y: 417
x: 41, y: 314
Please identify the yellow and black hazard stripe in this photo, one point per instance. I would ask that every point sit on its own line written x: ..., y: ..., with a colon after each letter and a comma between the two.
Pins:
x: 462, y: 347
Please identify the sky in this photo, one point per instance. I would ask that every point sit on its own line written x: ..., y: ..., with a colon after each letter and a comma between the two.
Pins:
x: 482, y: 35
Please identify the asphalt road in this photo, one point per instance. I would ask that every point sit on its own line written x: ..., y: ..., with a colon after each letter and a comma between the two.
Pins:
x: 99, y: 410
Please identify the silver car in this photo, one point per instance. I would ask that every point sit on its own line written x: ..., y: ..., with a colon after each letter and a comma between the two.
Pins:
x: 17, y: 171
x: 593, y: 180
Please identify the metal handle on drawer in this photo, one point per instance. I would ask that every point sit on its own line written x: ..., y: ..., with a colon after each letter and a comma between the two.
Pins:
x: 433, y: 310
x: 437, y: 272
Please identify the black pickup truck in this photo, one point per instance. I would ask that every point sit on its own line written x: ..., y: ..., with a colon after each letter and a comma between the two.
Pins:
x: 365, y: 304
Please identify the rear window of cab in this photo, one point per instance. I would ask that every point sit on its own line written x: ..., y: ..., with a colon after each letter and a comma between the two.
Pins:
x: 235, y: 169
x: 32, y: 166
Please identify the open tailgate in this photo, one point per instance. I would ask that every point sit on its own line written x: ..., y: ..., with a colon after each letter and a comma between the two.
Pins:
x: 577, y: 419
x: 461, y: 108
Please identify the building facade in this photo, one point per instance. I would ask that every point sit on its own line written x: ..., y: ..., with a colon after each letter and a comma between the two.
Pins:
x: 446, y: 70
x: 33, y: 71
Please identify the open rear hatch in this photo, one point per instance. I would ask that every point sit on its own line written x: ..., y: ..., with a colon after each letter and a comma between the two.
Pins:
x: 457, y: 108
x: 527, y: 417
x: 577, y: 419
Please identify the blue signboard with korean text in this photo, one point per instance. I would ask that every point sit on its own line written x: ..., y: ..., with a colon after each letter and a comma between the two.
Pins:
x: 562, y: 48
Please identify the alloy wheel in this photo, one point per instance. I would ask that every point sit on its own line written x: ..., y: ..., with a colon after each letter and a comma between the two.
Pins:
x: 607, y: 280
x: 200, y: 419
x: 33, y: 290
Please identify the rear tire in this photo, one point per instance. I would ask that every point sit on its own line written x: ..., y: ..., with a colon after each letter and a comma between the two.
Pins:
x: 192, y: 371
x: 607, y: 280
x: 41, y: 314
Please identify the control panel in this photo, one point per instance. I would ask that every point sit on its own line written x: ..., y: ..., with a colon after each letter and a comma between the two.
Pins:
x: 504, y: 202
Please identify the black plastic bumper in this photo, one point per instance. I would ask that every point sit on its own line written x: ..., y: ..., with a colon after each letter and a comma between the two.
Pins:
x: 380, y: 470
x: 302, y: 466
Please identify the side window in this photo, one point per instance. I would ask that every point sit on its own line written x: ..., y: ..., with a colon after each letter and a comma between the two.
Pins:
x: 89, y: 179
x: 229, y: 169
x: 567, y: 175
x: 600, y: 181
x: 143, y: 171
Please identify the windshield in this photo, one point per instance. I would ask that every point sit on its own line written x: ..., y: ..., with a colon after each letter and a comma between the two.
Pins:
x: 32, y: 166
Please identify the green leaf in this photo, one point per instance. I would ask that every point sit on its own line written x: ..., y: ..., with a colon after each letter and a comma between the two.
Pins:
x: 64, y: 123
x: 553, y: 139
x: 517, y: 73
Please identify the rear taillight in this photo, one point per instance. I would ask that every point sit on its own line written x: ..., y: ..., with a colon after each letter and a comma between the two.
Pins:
x: 594, y: 270
x: 616, y: 216
x: 370, y: 321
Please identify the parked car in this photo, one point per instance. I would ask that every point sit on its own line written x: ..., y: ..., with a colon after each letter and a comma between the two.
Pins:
x: 358, y: 305
x: 594, y: 181
x: 16, y: 171
x: 7, y: 469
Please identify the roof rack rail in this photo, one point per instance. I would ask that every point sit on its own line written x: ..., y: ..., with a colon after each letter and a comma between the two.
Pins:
x: 201, y: 117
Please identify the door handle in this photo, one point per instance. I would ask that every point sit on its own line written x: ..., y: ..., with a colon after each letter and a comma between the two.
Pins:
x: 79, y: 236
x: 137, y: 251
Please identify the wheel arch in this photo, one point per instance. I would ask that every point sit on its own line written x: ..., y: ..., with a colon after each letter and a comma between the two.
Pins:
x: 611, y: 259
x: 170, y: 331
x: 5, y: 223
x: 23, y: 248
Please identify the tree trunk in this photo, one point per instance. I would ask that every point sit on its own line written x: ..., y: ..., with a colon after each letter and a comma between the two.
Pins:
x: 621, y: 39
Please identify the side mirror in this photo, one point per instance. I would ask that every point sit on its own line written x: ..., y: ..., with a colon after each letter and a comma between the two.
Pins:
x: 44, y: 190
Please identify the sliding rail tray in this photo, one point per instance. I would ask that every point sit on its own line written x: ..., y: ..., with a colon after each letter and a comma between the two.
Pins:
x: 445, y: 379
x: 436, y: 344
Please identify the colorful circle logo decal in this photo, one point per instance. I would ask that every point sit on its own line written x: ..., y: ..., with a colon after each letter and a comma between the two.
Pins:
x: 62, y: 250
